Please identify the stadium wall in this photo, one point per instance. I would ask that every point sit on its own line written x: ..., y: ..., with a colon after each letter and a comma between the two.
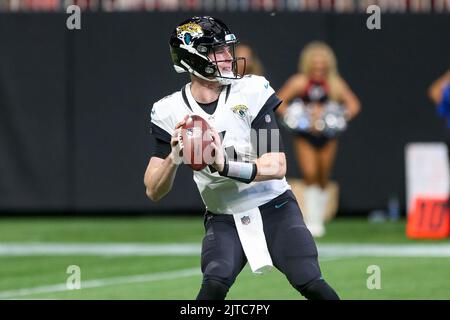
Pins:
x: 75, y: 105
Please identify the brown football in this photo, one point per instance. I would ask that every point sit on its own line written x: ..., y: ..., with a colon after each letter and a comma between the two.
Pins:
x: 196, y: 140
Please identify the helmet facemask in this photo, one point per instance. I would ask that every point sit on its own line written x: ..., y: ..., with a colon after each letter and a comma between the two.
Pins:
x: 214, y: 54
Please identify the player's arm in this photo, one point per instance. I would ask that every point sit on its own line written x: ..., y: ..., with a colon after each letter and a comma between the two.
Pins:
x: 435, y: 90
x: 271, y: 161
x: 159, y: 177
x: 290, y: 90
x: 349, y: 99
x: 270, y: 166
x: 162, y: 167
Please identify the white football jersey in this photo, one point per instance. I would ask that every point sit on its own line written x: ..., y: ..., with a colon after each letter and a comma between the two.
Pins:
x: 239, y: 104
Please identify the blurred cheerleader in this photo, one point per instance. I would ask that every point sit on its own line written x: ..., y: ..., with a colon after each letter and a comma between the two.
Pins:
x: 316, y: 82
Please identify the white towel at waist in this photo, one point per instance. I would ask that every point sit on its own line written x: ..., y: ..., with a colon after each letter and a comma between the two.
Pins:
x: 249, y: 225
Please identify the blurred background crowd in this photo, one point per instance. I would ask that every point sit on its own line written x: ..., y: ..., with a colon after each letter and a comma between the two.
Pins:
x: 346, y: 6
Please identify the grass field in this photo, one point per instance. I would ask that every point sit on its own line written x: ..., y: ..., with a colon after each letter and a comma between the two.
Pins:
x: 131, y: 258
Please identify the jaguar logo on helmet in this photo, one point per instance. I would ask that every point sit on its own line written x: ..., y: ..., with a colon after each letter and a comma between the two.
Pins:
x: 189, y: 31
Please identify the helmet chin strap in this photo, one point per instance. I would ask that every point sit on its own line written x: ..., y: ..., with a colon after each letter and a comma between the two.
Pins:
x: 222, y: 81
x: 195, y: 73
x: 226, y: 81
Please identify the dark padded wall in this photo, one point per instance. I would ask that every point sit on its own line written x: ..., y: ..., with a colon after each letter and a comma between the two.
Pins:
x: 74, y: 105
x: 33, y: 122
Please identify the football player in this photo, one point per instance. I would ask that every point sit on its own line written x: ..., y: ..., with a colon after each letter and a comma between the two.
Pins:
x: 245, y: 186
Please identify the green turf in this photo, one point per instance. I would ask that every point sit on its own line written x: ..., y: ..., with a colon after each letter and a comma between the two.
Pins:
x: 176, y: 229
x: 401, y: 278
x: 102, y: 229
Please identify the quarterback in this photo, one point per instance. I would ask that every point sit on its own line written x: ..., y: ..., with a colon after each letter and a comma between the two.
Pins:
x: 251, y: 214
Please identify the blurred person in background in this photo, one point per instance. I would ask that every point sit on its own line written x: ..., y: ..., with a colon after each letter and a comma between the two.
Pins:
x: 252, y: 64
x: 317, y: 81
x: 439, y: 93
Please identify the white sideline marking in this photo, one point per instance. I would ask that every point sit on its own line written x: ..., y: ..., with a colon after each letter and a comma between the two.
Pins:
x: 98, y: 249
x: 95, y: 283
x: 383, y: 250
x: 190, y: 249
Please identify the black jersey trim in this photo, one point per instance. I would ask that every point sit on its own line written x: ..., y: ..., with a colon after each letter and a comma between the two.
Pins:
x: 185, y: 99
x: 271, y: 104
x: 160, y: 133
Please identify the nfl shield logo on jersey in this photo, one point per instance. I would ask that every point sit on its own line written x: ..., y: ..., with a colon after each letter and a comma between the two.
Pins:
x: 245, y: 220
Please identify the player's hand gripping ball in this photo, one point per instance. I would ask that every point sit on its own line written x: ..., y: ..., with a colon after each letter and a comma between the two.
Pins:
x: 196, y: 138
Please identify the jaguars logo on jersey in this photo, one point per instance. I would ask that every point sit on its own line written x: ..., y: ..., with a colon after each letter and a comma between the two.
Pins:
x: 240, y: 110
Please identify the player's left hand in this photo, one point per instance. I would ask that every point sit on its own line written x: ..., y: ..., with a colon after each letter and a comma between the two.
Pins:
x: 219, y: 155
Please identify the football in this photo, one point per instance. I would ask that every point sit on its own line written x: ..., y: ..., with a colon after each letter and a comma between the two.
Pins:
x: 196, y: 140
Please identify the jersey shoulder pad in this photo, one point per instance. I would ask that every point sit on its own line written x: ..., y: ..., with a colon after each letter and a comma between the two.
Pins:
x: 259, y: 93
x: 163, y: 116
x: 253, y: 84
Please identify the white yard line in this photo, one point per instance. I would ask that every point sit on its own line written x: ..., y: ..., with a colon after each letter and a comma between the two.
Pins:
x: 191, y: 249
x: 96, y: 283
x: 327, y: 252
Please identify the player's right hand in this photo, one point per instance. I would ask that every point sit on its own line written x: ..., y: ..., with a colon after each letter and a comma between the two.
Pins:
x: 176, y: 143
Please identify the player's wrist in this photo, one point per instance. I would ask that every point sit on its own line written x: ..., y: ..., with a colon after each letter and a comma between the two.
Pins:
x: 174, y: 158
x: 223, y: 170
x: 241, y: 171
